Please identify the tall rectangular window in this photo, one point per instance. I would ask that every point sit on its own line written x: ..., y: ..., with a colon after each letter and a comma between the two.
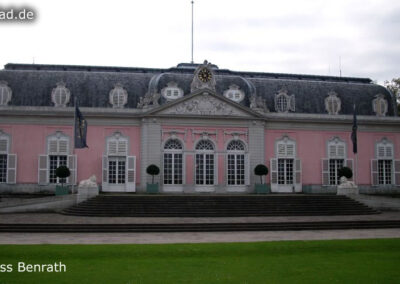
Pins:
x: 334, y: 166
x: 384, y: 171
x: 285, y: 171
x: 55, y: 162
x: 116, y: 170
x: 3, y: 168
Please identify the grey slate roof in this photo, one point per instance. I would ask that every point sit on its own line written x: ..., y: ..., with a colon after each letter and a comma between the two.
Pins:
x: 32, y: 85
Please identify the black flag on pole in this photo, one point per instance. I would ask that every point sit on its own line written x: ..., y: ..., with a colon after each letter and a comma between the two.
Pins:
x: 80, y: 129
x: 354, y: 131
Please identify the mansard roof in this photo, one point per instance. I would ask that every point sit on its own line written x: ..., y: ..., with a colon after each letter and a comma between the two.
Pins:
x: 32, y: 85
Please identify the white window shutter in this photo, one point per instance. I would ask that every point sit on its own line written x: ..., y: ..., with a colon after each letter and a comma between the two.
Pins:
x: 112, y: 147
x: 350, y: 164
x: 381, y: 152
x: 3, y: 146
x: 72, y: 165
x: 281, y: 150
x: 389, y: 152
x: 43, y: 177
x: 374, y: 172
x: 53, y: 147
x: 105, y: 172
x: 397, y: 172
x: 325, y: 172
x: 274, y: 171
x: 340, y: 151
x: 12, y: 168
x: 122, y: 147
x: 130, y: 173
x: 63, y: 147
x: 332, y: 151
x: 215, y: 169
x: 290, y: 150
x: 297, y: 165
x: 247, y: 169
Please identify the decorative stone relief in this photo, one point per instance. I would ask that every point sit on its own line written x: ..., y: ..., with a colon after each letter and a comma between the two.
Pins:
x: 150, y: 100
x: 258, y: 103
x: 284, y: 102
x: 203, y: 78
x: 60, y: 95
x: 332, y: 103
x: 5, y: 93
x: 204, y: 104
x: 380, y: 105
x: 118, y: 96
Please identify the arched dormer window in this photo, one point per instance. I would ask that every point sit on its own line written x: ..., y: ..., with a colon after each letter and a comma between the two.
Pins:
x: 234, y: 93
x: 118, y: 96
x: 333, y: 103
x: 380, y: 105
x: 173, y: 162
x: 284, y: 102
x: 172, y: 92
x: 5, y: 93
x: 60, y: 95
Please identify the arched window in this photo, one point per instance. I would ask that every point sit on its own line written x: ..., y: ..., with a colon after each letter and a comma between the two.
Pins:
x: 119, y: 169
x: 285, y: 167
x: 57, y: 154
x: 234, y: 93
x: 8, y: 162
x: 236, y: 163
x: 385, y: 170
x: 284, y: 102
x: 205, y: 163
x: 336, y: 159
x: 173, y: 162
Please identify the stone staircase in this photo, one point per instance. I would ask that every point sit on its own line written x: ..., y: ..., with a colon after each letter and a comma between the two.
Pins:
x: 218, y: 206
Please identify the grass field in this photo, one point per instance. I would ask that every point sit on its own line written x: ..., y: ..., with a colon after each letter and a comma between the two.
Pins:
x: 340, y: 261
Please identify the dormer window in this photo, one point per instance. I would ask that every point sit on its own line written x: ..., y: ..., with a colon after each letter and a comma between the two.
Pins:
x: 332, y: 103
x: 172, y: 92
x: 380, y: 105
x: 5, y: 93
x: 234, y: 94
x: 60, y: 95
x: 118, y: 96
x: 284, y: 102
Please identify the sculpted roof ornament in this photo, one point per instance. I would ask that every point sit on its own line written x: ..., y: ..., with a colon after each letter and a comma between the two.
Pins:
x: 333, y: 103
x: 380, y: 105
x: 60, y: 95
x: 118, y: 96
x: 5, y: 93
x: 203, y: 78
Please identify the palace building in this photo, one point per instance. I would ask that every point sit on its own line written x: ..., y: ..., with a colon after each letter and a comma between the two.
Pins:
x: 205, y: 127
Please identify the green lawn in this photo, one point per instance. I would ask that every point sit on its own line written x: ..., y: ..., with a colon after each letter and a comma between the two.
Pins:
x: 347, y: 261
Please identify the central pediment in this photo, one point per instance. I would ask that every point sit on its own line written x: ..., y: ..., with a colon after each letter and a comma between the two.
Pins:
x: 207, y: 104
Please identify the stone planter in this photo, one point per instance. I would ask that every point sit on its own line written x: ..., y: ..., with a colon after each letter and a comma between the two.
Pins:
x: 152, y: 188
x: 62, y: 190
x: 261, y: 188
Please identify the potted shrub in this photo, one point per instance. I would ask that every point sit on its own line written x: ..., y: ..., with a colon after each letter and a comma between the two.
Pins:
x: 261, y: 170
x: 152, y: 187
x: 62, y: 172
x: 345, y: 172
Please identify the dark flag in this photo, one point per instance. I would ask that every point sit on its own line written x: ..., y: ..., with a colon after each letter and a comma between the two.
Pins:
x: 80, y: 129
x: 354, y: 131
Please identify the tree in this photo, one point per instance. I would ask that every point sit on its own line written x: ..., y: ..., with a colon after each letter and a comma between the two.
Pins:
x: 153, y: 170
x: 394, y: 87
x: 62, y: 172
x: 261, y: 170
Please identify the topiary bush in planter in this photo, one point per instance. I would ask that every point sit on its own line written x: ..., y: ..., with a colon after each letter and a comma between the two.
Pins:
x: 345, y: 172
x: 261, y: 170
x: 152, y: 170
x: 62, y: 172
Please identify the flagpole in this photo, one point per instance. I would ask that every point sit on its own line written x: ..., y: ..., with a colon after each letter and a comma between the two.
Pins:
x: 76, y: 172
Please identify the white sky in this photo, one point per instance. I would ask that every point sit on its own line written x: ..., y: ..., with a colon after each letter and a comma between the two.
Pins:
x: 305, y: 37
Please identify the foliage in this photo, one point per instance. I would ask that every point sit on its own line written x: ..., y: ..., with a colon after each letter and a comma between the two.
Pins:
x: 261, y: 170
x: 153, y: 170
x: 393, y: 86
x: 62, y: 172
x: 346, y: 172
x: 336, y: 261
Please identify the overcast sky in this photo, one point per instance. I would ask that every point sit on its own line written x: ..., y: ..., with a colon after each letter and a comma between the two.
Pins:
x: 306, y: 37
